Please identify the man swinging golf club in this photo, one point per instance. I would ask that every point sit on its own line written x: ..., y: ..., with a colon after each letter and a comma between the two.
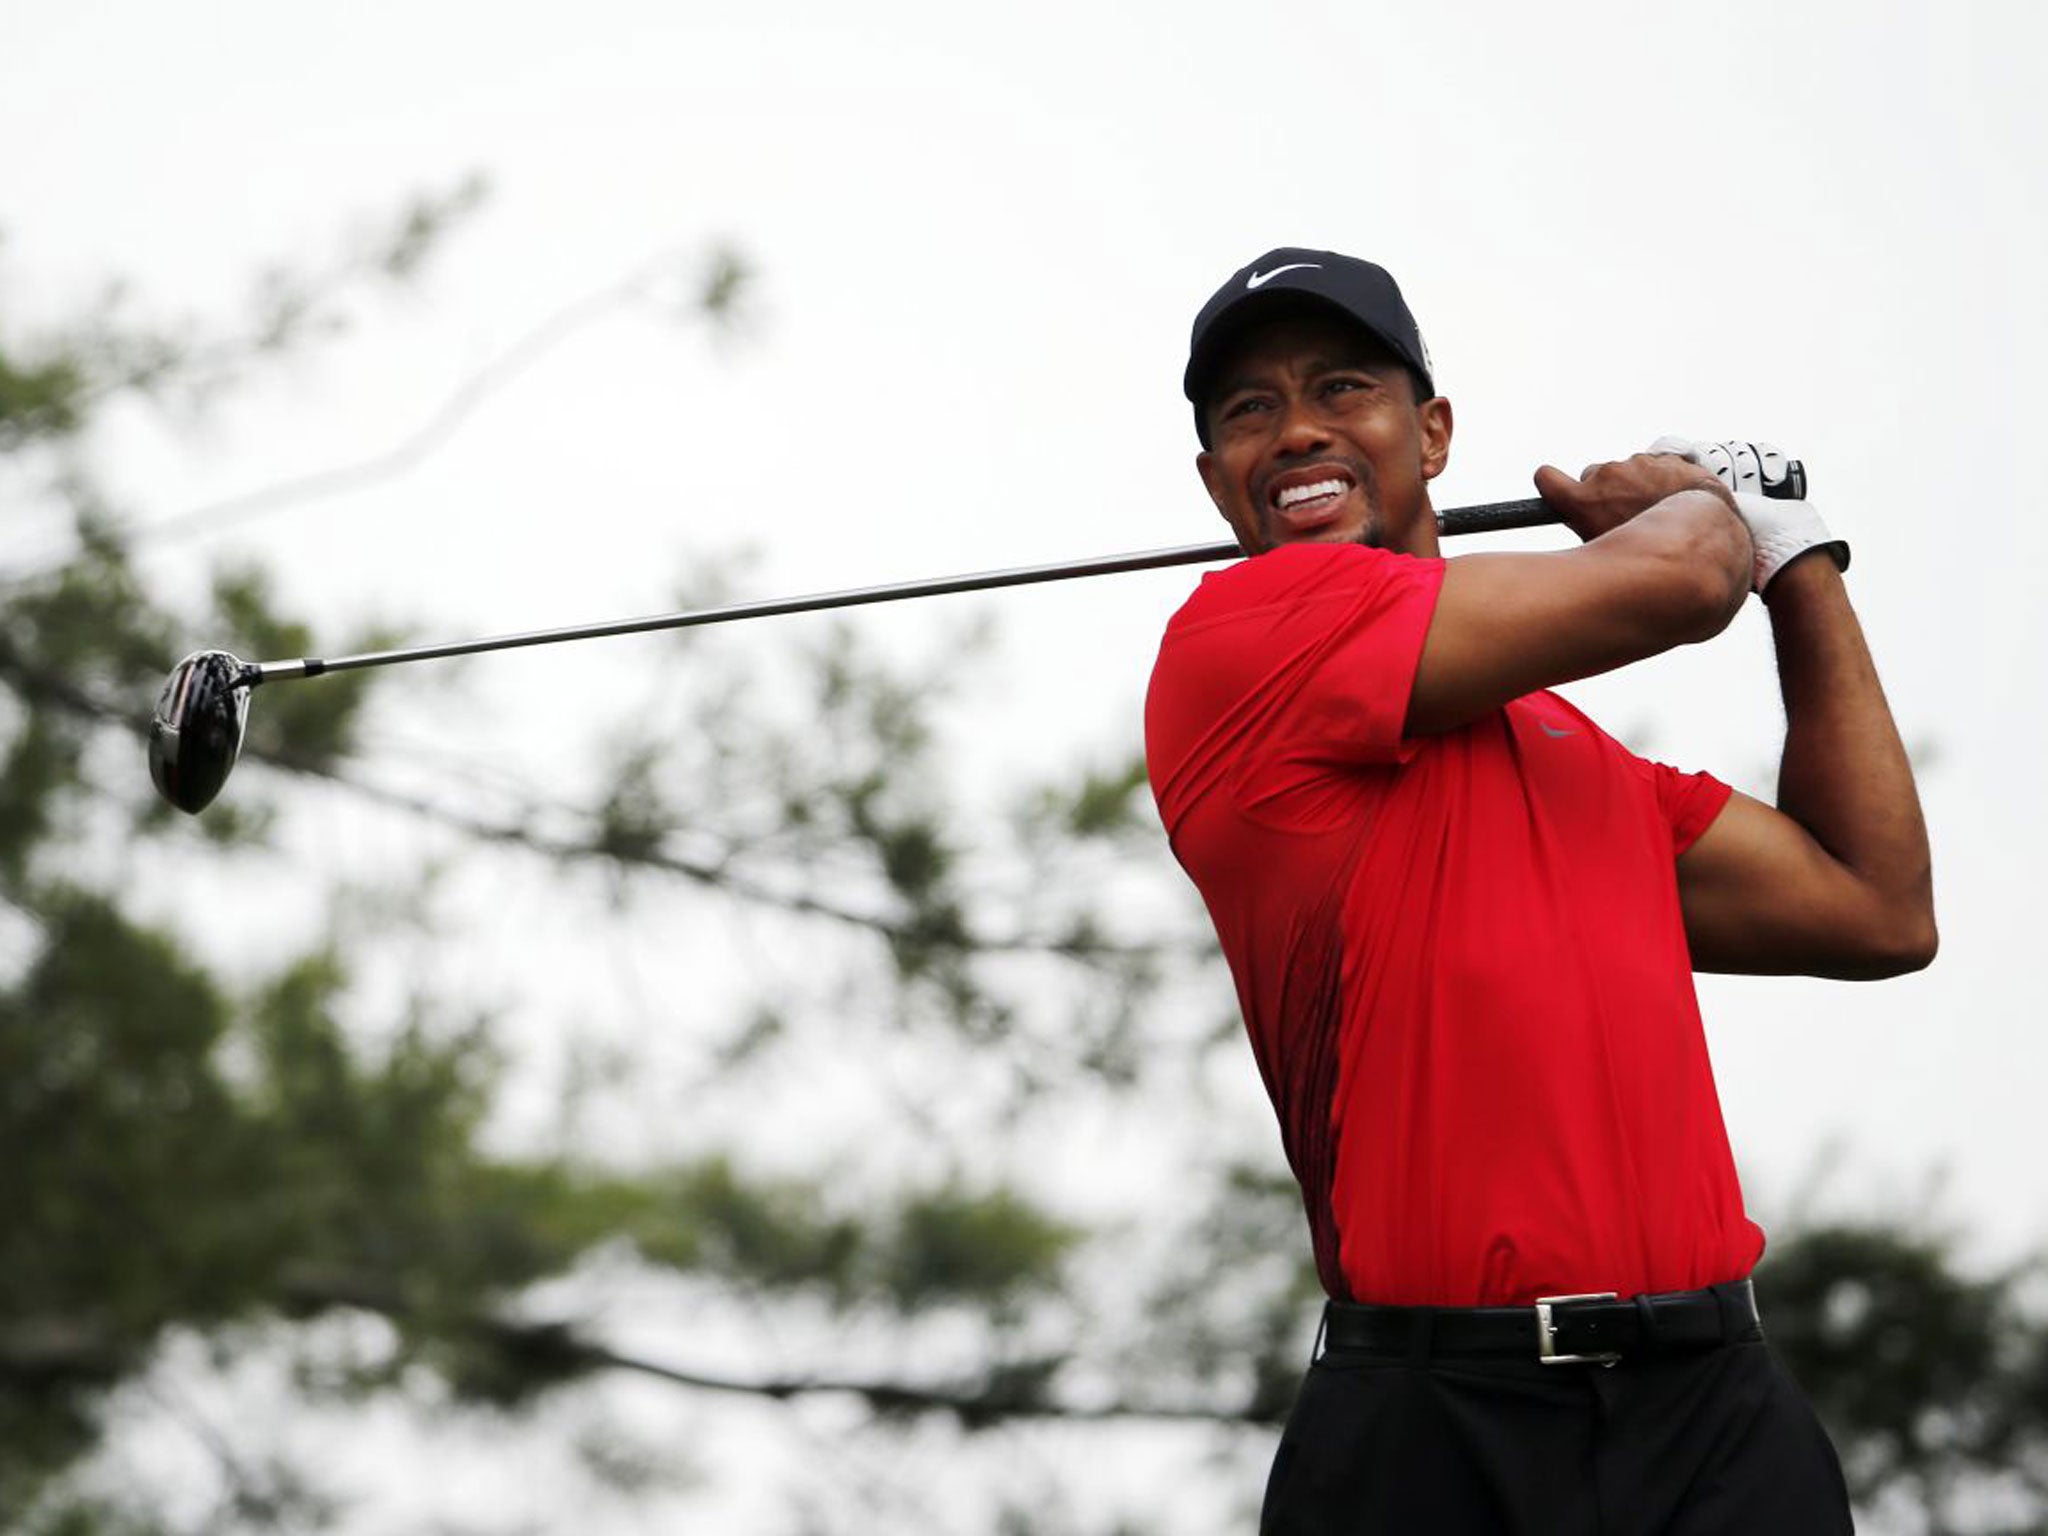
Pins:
x: 1462, y: 923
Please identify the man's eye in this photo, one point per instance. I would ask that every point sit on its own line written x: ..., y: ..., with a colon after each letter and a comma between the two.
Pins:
x: 1340, y: 386
x: 1243, y: 406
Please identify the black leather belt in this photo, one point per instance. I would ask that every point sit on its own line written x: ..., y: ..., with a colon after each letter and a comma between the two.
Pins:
x: 1557, y: 1330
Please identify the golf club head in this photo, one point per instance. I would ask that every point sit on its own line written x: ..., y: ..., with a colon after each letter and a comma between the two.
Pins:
x: 195, y: 731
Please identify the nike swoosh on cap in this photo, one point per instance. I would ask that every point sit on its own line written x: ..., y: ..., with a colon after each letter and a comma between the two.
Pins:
x: 1258, y: 278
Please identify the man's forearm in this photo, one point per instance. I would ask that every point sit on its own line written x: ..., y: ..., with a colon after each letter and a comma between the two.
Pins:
x: 1845, y: 776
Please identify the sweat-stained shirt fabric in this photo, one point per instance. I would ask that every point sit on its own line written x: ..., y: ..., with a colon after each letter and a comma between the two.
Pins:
x: 1460, y: 957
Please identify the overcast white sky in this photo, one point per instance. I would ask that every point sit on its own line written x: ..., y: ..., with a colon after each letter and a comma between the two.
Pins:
x: 981, y: 233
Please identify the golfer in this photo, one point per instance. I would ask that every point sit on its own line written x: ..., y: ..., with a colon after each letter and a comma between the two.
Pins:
x: 1463, y: 922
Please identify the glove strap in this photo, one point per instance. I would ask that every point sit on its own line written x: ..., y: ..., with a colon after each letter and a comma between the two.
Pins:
x: 1784, y: 531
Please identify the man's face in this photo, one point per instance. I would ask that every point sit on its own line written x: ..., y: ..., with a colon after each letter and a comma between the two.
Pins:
x: 1316, y: 436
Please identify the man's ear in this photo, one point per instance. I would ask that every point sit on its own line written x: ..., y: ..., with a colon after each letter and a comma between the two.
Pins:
x: 1212, y: 482
x: 1435, y: 416
x: 1205, y: 466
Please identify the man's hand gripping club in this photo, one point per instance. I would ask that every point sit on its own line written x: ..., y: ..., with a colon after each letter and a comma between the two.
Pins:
x: 1605, y: 496
x: 1770, y: 497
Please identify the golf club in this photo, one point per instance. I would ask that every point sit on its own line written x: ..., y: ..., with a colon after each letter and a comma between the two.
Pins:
x: 195, y: 731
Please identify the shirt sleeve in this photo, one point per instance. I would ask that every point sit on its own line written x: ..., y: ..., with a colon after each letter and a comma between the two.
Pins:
x: 1350, y: 653
x: 1689, y: 801
x: 1289, y: 665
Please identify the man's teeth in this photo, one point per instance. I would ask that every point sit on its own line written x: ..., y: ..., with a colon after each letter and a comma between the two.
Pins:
x: 1294, y: 495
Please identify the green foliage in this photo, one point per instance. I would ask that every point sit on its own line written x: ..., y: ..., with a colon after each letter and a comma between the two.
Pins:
x: 149, y: 1188
x: 88, y: 1516
x: 728, y: 277
x: 950, y: 1245
x: 113, y: 1114
x: 132, y: 1120
x: 1104, y: 803
x: 401, y: 248
x: 785, y: 1235
x: 40, y: 396
x: 69, y: 646
x: 774, y: 1233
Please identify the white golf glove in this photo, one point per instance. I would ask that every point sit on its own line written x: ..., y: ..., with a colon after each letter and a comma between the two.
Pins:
x: 1770, y: 494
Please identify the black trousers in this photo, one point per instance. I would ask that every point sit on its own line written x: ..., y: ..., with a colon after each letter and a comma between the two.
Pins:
x: 1708, y: 1444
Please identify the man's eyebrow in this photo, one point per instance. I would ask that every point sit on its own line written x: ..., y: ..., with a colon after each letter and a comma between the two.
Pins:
x: 1353, y: 362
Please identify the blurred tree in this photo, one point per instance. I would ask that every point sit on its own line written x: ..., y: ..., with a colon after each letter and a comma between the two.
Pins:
x: 1932, y: 1380
x: 205, y: 1151
x: 211, y: 1168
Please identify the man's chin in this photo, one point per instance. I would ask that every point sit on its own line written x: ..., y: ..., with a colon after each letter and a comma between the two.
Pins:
x: 1366, y: 533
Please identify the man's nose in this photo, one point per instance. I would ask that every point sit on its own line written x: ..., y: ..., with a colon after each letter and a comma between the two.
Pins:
x: 1302, y: 430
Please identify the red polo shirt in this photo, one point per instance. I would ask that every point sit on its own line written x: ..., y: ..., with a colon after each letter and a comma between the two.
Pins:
x: 1460, y: 957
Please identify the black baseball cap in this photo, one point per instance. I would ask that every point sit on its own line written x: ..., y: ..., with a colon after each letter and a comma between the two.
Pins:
x: 1293, y: 277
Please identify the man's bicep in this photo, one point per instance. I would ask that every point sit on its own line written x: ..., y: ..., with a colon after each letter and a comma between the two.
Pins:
x: 1761, y: 897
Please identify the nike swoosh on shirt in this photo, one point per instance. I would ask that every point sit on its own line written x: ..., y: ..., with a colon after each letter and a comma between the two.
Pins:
x: 1551, y: 730
x: 1257, y: 278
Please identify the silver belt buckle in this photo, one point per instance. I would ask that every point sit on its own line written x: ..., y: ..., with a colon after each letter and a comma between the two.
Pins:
x: 1546, y: 1332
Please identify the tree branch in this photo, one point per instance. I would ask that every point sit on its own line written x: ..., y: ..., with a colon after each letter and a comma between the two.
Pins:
x: 975, y: 1407
x: 49, y: 1351
x: 718, y: 299
x: 417, y: 445
x: 1006, y: 1392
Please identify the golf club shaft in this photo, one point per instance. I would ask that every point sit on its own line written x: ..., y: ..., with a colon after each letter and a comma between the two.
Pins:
x: 1486, y: 518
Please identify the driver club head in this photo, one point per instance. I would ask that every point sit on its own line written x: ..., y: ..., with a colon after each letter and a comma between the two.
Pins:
x: 195, y: 731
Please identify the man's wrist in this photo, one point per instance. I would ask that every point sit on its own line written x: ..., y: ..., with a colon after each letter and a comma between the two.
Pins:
x: 1803, y: 574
